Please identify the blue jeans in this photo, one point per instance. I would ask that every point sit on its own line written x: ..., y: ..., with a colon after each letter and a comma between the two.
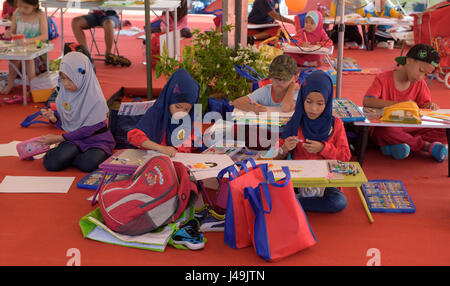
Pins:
x: 68, y: 154
x: 332, y: 201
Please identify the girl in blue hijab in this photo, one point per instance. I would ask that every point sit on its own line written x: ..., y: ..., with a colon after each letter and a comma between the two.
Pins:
x: 168, y: 123
x: 313, y: 133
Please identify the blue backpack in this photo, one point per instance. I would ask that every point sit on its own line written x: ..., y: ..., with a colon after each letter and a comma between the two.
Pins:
x: 52, y: 29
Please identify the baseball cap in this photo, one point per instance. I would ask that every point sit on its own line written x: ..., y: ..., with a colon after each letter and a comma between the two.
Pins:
x: 423, y: 53
x: 283, y: 67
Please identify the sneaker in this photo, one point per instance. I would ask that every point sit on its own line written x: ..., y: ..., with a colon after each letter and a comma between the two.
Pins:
x: 189, y: 235
x: 398, y: 151
x: 250, y: 40
x: 439, y: 151
x: 202, y: 212
x: 212, y: 222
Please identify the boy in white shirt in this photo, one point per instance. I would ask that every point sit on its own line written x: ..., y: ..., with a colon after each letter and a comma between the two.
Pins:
x: 283, y: 91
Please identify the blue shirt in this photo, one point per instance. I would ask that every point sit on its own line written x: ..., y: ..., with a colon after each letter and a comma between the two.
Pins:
x: 260, y: 11
x: 263, y: 96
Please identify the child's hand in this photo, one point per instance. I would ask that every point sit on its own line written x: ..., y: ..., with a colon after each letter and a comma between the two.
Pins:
x: 289, y: 144
x: 312, y: 146
x: 169, y: 151
x: 50, y: 139
x: 7, y: 34
x: 306, y: 44
x: 49, y: 114
x: 431, y: 105
x: 259, y: 108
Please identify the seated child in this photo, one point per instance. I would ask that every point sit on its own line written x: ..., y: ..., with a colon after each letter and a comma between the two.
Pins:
x: 352, y: 36
x: 264, y: 12
x: 405, y: 84
x: 312, y: 34
x: 30, y: 21
x: 169, y: 122
x: 158, y: 25
x: 313, y: 133
x: 283, y: 91
x: 381, y: 9
x: 81, y: 112
x: 9, y: 6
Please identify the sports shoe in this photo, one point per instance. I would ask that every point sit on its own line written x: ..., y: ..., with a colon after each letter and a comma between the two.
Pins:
x: 439, y: 151
x: 212, y: 222
x: 189, y: 235
x: 398, y: 151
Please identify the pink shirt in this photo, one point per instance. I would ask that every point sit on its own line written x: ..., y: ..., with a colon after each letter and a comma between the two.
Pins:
x: 383, y: 87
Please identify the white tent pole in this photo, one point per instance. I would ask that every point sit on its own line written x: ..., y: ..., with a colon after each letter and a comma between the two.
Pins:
x: 340, y: 56
x: 148, y: 49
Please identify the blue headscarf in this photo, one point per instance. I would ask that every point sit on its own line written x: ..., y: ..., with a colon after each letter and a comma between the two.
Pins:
x: 321, y: 128
x: 156, y: 122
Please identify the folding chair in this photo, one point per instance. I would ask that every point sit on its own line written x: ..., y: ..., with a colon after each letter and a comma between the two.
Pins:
x: 115, y: 41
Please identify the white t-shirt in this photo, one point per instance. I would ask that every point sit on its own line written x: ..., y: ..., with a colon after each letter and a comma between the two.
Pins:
x: 263, y: 96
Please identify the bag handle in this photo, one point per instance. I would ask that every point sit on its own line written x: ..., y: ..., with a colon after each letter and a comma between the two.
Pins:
x: 271, y: 178
x: 248, y: 72
x: 231, y: 171
x: 243, y: 164
x: 253, y: 195
x: 32, y: 119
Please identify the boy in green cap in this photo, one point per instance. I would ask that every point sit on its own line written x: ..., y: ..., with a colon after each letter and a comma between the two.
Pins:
x: 407, y: 84
x: 283, y: 90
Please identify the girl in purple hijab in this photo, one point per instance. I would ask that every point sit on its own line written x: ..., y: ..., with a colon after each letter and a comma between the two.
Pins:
x: 81, y: 113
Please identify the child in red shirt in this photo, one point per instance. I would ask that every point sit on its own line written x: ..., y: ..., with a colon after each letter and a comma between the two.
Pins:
x: 9, y: 6
x: 169, y: 122
x: 405, y: 84
x: 313, y: 133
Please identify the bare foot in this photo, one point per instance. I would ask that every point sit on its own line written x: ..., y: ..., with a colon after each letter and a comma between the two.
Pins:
x: 6, y: 90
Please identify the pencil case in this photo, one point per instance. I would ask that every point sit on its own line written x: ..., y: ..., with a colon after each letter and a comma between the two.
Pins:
x: 31, y: 147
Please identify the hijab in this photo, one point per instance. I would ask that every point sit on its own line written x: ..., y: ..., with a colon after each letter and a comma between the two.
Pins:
x: 87, y: 105
x: 321, y: 128
x: 157, y: 120
x: 314, y: 36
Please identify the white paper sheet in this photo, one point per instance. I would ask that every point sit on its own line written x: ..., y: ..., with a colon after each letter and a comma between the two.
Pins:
x: 36, y: 184
x: 9, y: 149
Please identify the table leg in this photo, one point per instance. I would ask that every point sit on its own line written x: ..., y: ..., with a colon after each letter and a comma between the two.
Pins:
x: 24, y: 82
x: 62, y: 32
x: 365, y: 37
x: 363, y: 201
x: 447, y: 130
x: 175, y: 37
x: 363, y: 140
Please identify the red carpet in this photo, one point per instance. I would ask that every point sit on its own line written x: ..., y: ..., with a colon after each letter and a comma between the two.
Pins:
x: 39, y: 229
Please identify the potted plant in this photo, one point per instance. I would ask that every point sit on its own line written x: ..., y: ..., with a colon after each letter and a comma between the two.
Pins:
x: 212, y: 65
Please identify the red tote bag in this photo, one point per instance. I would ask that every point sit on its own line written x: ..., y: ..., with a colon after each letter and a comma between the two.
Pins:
x: 236, y: 233
x: 277, y: 223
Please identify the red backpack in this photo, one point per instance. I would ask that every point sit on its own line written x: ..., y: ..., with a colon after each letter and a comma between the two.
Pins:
x: 156, y: 194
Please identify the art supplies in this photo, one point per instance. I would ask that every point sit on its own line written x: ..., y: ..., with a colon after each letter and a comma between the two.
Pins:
x: 203, y: 166
x: 387, y: 196
x: 236, y: 150
x: 134, y: 108
x: 35, y: 184
x: 347, y: 111
x: 92, y: 180
x: 339, y: 167
x: 273, y: 116
x: 300, y: 169
x: 31, y: 147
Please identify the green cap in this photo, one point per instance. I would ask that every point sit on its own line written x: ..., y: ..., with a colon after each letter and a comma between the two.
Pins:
x: 423, y: 53
x: 283, y: 67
